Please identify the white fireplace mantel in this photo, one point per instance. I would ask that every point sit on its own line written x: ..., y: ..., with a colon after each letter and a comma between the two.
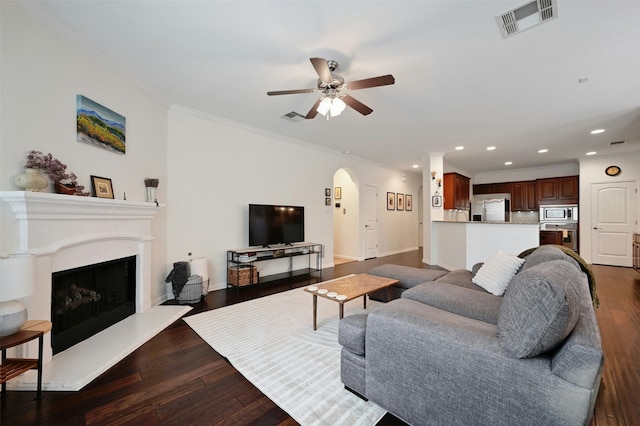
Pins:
x: 66, y: 232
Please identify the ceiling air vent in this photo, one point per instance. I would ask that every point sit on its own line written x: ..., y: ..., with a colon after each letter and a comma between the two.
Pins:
x: 293, y: 116
x: 527, y: 16
x: 616, y: 143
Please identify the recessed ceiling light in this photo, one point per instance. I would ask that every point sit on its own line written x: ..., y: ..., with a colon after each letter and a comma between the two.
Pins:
x: 591, y: 153
x: 459, y: 148
x: 415, y: 166
x: 508, y: 163
x: 346, y: 151
x: 491, y: 148
x: 597, y: 131
x: 542, y: 151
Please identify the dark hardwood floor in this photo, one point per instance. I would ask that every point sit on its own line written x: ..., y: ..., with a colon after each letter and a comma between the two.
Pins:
x: 177, y: 379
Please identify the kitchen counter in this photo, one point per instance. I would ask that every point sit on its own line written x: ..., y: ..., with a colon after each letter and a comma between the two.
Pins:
x: 490, y: 222
x: 460, y: 245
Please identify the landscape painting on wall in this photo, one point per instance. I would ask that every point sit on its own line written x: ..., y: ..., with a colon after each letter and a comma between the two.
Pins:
x: 99, y: 126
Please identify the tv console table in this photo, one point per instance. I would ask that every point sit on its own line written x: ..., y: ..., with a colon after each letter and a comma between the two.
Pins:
x: 241, y: 269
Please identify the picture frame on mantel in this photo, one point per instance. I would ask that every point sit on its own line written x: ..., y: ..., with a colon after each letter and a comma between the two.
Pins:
x: 101, y: 187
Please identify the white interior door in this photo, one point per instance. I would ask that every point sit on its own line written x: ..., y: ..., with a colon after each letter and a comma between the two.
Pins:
x: 370, y: 204
x: 613, y: 222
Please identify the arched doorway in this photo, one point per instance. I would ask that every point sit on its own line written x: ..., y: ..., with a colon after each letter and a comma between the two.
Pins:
x: 346, y: 217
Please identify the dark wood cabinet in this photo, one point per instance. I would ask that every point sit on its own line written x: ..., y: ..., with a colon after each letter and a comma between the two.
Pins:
x: 560, y: 190
x: 524, y: 196
x: 456, y: 191
x: 492, y: 188
x: 550, y: 237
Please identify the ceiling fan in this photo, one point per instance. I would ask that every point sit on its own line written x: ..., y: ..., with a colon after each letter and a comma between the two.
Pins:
x: 335, y: 90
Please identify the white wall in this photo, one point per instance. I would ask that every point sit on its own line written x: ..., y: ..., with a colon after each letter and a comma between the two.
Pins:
x: 216, y: 168
x: 41, y: 72
x: 592, y: 171
x: 514, y: 175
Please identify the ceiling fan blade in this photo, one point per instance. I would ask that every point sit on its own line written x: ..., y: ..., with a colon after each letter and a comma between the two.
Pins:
x: 322, y: 68
x: 314, y: 110
x: 383, y: 80
x: 291, y: 92
x: 357, y: 105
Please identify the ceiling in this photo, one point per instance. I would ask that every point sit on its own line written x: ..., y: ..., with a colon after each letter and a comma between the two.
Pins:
x: 458, y: 81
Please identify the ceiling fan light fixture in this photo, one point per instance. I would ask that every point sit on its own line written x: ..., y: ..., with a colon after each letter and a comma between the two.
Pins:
x: 332, y: 106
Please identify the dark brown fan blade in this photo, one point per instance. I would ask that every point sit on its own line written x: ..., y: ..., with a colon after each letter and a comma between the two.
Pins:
x: 291, y: 92
x: 314, y: 110
x: 383, y: 80
x: 322, y: 68
x: 357, y: 105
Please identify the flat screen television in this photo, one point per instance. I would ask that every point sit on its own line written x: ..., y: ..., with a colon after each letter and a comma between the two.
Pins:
x: 269, y: 224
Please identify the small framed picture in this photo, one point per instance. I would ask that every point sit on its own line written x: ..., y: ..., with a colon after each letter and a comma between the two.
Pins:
x: 391, y: 200
x: 327, y: 201
x: 327, y: 192
x: 408, y: 202
x: 337, y: 192
x: 436, y: 201
x: 101, y: 187
x: 400, y: 202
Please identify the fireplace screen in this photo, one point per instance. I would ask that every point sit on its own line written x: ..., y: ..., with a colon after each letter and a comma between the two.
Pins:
x: 89, y: 299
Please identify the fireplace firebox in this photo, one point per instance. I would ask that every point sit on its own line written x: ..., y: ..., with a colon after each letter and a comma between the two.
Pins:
x: 89, y: 299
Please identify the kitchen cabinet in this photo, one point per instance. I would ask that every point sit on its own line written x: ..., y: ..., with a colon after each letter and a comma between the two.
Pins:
x: 636, y: 252
x: 560, y: 190
x: 492, y: 188
x: 456, y: 191
x: 524, y: 196
x: 550, y: 237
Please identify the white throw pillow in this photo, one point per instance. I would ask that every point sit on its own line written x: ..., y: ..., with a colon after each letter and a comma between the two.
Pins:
x: 497, y: 272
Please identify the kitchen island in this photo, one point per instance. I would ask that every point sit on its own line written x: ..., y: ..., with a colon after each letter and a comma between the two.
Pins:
x: 460, y: 245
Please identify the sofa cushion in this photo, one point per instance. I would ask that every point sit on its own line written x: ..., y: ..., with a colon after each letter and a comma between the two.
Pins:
x: 351, y: 332
x: 456, y: 299
x: 546, y: 253
x: 461, y: 278
x: 406, y: 275
x: 539, y: 309
x: 496, y: 273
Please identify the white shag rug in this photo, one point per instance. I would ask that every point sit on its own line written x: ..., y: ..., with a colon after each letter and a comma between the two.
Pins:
x: 272, y: 343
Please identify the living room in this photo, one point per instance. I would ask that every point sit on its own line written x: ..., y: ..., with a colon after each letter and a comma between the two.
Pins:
x: 209, y: 167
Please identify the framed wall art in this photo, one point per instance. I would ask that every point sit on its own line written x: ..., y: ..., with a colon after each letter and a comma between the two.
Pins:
x: 101, y: 187
x: 408, y: 202
x: 391, y: 200
x: 327, y: 201
x: 337, y: 192
x: 99, y: 126
x: 327, y: 192
x: 436, y: 201
x: 400, y: 202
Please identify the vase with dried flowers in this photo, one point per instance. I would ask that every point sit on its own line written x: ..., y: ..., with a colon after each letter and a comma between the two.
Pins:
x: 151, y: 185
x: 65, y: 183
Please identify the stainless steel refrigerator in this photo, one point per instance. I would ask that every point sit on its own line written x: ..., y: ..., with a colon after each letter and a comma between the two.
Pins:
x: 494, y: 210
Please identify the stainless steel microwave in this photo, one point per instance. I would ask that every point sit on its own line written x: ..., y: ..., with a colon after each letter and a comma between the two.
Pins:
x: 567, y: 213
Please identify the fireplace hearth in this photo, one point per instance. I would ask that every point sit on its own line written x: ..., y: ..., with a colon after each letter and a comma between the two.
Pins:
x: 88, y: 299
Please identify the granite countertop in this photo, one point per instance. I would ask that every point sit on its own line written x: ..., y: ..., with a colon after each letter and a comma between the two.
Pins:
x: 489, y: 223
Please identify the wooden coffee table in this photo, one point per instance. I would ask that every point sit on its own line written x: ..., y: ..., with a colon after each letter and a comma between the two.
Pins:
x: 346, y: 289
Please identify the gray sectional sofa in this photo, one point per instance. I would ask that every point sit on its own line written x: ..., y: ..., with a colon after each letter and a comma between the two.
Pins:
x: 447, y: 352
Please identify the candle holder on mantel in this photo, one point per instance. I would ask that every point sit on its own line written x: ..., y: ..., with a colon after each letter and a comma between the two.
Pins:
x: 151, y: 185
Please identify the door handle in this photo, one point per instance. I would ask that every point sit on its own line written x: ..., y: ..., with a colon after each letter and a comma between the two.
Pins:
x: 596, y: 228
x: 366, y: 226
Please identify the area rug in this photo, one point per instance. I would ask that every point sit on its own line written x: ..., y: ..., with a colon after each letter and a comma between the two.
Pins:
x: 272, y: 343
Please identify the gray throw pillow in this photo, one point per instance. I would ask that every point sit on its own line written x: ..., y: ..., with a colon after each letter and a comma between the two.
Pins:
x: 540, y: 308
